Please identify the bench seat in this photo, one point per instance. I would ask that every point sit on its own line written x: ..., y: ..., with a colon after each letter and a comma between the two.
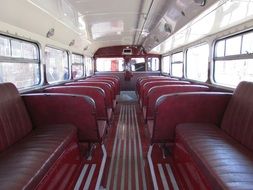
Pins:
x: 226, y: 164
x: 28, y: 160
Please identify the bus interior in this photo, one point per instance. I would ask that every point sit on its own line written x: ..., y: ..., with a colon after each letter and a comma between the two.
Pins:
x: 138, y: 94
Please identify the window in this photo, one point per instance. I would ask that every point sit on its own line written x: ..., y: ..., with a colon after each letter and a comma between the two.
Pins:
x: 19, y: 62
x: 177, y: 64
x: 77, y: 68
x: 89, y: 70
x: 153, y: 64
x: 110, y: 64
x: 197, y: 63
x: 137, y: 64
x: 233, y: 61
x: 166, y: 64
x: 56, y: 65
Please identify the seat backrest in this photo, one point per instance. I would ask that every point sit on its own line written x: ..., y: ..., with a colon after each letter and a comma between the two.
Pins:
x: 157, y: 91
x: 142, y: 81
x: 109, y: 75
x: 15, y: 122
x: 115, y: 80
x: 238, y: 117
x: 96, y: 93
x: 144, y: 78
x: 58, y: 108
x: 148, y: 85
x: 106, y: 87
x: 112, y: 83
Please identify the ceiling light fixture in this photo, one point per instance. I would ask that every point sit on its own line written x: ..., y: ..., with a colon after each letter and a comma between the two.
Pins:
x: 85, y: 48
x: 167, y: 28
x: 72, y: 43
x: 50, y: 32
x: 200, y: 2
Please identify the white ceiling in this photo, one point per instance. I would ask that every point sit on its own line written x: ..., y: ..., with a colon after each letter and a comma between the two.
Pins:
x: 101, y: 23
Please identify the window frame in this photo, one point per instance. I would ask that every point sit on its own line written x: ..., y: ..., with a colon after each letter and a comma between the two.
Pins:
x: 228, y: 57
x: 68, y: 60
x: 86, y: 66
x: 23, y: 60
x: 177, y: 62
x: 169, y: 64
x: 73, y: 63
x: 186, y: 61
x: 145, y: 63
x: 117, y: 57
x: 159, y: 63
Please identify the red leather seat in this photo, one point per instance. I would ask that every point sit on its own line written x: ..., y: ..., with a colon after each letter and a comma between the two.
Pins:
x: 108, y: 81
x: 215, y: 132
x: 113, y: 78
x: 226, y: 164
x: 106, y: 87
x: 96, y: 93
x: 30, y: 155
x: 156, y: 91
x: 24, y: 164
x: 148, y: 85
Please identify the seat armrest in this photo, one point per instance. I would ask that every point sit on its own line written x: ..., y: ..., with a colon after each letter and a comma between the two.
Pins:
x: 173, y: 109
x: 58, y: 108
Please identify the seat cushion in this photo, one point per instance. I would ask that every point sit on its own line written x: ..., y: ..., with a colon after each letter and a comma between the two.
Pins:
x: 225, y: 163
x: 24, y: 164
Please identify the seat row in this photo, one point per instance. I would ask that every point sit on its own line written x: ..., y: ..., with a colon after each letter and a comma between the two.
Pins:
x: 209, y: 135
x: 41, y: 132
x: 151, y: 88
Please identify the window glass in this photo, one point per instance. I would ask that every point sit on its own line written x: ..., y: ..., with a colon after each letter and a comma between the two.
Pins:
x: 23, y: 73
x: 220, y: 48
x: 29, y: 51
x: 77, y: 68
x: 233, y: 46
x: 110, y: 64
x: 137, y: 64
x: 16, y: 48
x: 197, y: 63
x: 177, y: 70
x: 166, y: 64
x: 56, y: 65
x: 177, y: 57
x: 89, y: 70
x: 5, y: 49
x: 231, y: 72
x: 177, y: 64
x: 153, y: 64
x: 247, y: 45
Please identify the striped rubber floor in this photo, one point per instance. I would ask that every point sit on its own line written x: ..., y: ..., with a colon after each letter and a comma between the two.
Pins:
x: 126, y: 170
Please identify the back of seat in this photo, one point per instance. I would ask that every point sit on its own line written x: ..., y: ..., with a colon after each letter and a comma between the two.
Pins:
x: 14, y: 120
x: 57, y: 108
x: 238, y: 117
x: 115, y: 80
x: 157, y: 91
x: 148, y: 85
x: 106, y: 87
x: 110, y: 82
x: 96, y: 93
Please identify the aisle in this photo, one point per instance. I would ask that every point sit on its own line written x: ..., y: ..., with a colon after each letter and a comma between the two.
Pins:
x: 126, y: 169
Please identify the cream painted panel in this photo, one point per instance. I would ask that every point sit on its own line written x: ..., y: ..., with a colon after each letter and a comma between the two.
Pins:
x: 29, y: 19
